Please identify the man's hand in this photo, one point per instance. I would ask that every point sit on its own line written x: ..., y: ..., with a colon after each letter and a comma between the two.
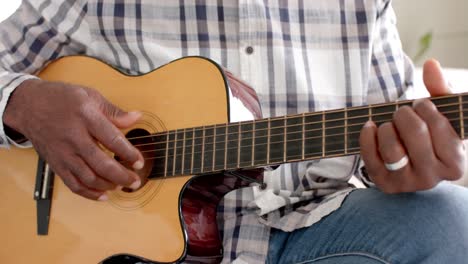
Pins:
x: 65, y: 123
x: 422, y: 133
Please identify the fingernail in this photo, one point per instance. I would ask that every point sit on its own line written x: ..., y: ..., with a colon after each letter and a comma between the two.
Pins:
x: 417, y: 102
x: 369, y: 124
x: 103, y: 198
x: 138, y: 165
x: 135, y: 114
x: 135, y: 185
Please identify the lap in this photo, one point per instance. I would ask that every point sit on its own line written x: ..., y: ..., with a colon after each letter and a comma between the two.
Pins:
x: 373, y: 227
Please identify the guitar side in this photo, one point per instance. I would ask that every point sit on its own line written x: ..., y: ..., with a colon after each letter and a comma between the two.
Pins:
x: 185, y: 93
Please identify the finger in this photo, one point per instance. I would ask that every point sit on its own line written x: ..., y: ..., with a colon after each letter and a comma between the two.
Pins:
x: 77, y: 187
x: 414, y: 133
x: 126, y: 120
x: 370, y: 154
x: 107, y: 167
x: 448, y: 146
x: 117, y: 116
x: 113, y: 139
x: 434, y: 79
x: 86, y: 176
x: 390, y: 147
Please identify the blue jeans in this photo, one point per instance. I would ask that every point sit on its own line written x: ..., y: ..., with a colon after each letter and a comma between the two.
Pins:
x: 373, y: 227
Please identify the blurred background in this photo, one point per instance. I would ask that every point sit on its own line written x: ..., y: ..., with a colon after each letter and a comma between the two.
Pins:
x: 444, y: 24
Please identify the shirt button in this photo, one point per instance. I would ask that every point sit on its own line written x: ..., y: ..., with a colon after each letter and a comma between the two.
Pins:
x: 249, y: 50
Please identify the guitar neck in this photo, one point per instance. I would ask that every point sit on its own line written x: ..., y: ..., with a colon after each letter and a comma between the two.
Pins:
x: 272, y: 141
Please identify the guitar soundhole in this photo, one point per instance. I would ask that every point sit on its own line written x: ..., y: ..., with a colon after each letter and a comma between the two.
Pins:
x: 142, y: 140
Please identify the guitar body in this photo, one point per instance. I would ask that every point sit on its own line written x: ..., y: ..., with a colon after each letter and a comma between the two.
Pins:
x: 148, y: 222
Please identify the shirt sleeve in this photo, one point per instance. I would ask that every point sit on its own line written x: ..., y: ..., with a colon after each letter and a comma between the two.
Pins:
x: 36, y: 34
x: 391, y: 71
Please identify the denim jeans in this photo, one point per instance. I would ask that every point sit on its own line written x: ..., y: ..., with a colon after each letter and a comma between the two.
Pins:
x: 373, y: 227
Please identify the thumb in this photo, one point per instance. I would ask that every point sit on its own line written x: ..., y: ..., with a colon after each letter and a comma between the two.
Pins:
x: 118, y: 117
x: 434, y: 79
x: 126, y: 119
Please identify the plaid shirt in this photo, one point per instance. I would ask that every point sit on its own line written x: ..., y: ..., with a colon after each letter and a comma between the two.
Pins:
x: 299, y: 56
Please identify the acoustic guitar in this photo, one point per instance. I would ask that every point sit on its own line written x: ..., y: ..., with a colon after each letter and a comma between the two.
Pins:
x: 194, y: 156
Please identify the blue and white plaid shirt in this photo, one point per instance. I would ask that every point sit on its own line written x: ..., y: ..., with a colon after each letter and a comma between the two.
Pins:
x: 299, y: 56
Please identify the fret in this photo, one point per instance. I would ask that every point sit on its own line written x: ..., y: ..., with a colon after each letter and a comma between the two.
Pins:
x: 193, y: 150
x: 203, y: 150
x: 334, y: 132
x: 253, y: 144
x: 226, y: 146
x: 220, y: 147
x: 449, y: 107
x: 462, y: 117
x: 465, y: 115
x: 345, y: 135
x: 246, y: 142
x: 294, y: 138
x: 208, y: 148
x: 261, y: 143
x: 197, y: 150
x: 357, y: 117
x: 178, y: 152
x: 313, y: 135
x: 188, y: 152
x: 175, y: 153
x: 170, y: 153
x: 285, y: 128
x: 166, y: 155
x: 268, y: 141
x: 276, y: 140
x: 158, y: 154
x: 303, y: 137
x: 183, y: 152
x: 214, y: 150
x: 369, y: 113
x: 232, y: 146
x: 323, y: 134
x: 382, y: 113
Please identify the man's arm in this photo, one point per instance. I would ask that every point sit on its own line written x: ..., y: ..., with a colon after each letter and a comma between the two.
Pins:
x: 30, y: 39
x: 64, y: 122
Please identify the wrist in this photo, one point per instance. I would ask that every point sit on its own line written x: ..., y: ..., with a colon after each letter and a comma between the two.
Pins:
x: 16, y: 108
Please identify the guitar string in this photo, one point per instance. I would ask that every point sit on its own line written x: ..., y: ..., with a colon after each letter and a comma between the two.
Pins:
x: 349, y: 150
x: 234, y: 165
x: 236, y: 134
x: 235, y: 125
x: 312, y: 154
x: 187, y: 139
x: 332, y: 111
x: 318, y: 114
x: 335, y: 142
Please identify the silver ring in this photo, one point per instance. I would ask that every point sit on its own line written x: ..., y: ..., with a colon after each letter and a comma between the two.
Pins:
x: 397, y: 165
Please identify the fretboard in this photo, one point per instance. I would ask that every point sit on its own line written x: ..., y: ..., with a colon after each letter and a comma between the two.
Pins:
x: 272, y: 141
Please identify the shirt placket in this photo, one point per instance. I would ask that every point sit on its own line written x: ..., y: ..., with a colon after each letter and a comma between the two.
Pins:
x: 249, y: 48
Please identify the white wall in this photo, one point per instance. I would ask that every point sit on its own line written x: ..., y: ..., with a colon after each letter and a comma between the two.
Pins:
x: 7, y: 7
x: 446, y: 18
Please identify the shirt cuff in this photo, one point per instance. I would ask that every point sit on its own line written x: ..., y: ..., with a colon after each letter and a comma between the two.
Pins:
x: 361, y: 174
x: 8, y: 83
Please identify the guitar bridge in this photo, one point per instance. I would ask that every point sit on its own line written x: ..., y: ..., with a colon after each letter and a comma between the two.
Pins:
x: 43, y: 195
